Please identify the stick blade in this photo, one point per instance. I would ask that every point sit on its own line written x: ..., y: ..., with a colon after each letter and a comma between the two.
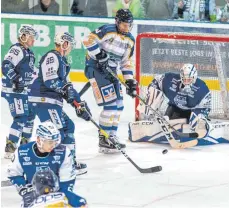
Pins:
x: 151, y: 170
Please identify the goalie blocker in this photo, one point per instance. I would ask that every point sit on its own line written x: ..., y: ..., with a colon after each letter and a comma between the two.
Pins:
x: 150, y: 131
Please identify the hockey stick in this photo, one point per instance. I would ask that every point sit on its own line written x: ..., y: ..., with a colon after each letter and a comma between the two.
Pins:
x: 85, y: 88
x: 190, y: 135
x: 117, y: 146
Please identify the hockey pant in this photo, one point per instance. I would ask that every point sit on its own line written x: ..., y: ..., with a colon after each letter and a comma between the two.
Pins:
x: 22, y: 123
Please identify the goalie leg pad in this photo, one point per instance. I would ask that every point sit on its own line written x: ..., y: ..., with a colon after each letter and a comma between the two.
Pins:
x: 150, y: 131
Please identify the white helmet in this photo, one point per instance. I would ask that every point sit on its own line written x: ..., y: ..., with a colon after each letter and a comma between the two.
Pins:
x: 62, y: 37
x: 27, y: 31
x: 48, y: 131
x: 188, y: 74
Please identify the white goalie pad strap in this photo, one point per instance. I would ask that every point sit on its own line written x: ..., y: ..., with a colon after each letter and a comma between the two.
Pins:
x: 150, y: 131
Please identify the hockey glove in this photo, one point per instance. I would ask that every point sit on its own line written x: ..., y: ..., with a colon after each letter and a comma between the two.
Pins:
x: 68, y: 92
x: 102, y: 59
x: 18, y: 84
x: 28, y: 194
x: 132, y: 86
x: 83, y: 111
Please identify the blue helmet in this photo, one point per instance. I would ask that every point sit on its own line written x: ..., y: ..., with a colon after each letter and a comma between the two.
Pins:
x: 45, y: 181
x: 48, y: 131
x: 28, y: 31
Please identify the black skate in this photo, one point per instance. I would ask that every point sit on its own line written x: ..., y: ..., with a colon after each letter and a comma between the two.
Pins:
x: 9, y: 149
x: 81, y: 168
x: 106, y: 147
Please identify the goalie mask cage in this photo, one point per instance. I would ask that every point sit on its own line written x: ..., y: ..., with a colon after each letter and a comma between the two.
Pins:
x: 158, y: 53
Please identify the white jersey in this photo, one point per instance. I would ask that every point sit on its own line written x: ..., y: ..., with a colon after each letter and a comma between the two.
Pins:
x: 51, y: 200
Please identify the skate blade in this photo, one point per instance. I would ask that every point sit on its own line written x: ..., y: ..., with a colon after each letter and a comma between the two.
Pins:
x: 81, y: 172
x: 107, y: 151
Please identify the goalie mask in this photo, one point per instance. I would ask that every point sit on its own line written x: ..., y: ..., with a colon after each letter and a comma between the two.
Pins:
x: 48, y: 136
x: 188, y: 75
x: 45, y: 181
x: 61, y: 38
x: 124, y: 21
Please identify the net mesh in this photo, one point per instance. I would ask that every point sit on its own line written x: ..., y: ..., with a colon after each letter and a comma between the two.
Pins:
x: 159, y: 53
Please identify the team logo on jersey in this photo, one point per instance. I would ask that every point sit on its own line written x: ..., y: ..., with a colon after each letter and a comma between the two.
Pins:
x: 109, y: 93
x: 26, y: 159
x: 56, y: 157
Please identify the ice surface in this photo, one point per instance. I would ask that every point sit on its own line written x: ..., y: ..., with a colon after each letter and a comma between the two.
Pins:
x: 197, y: 177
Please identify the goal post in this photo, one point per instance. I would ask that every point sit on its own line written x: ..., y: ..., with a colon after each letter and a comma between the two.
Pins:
x: 158, y: 53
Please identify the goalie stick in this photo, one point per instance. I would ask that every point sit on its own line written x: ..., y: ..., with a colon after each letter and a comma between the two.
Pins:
x: 117, y: 146
x: 164, y: 124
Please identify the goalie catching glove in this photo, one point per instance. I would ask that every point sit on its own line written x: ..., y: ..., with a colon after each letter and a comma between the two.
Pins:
x: 132, y: 87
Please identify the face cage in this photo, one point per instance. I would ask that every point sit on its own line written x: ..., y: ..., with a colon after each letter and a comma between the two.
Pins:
x: 123, y: 33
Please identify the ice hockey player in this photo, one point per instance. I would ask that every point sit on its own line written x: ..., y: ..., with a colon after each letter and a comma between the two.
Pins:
x: 45, y: 191
x: 17, y: 70
x: 51, y: 86
x: 188, y: 98
x: 43, y: 154
x: 109, y: 46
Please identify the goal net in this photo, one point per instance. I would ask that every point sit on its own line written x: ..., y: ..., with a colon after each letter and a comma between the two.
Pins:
x: 158, y: 53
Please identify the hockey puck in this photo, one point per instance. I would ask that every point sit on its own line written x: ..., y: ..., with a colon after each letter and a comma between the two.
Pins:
x: 164, y: 151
